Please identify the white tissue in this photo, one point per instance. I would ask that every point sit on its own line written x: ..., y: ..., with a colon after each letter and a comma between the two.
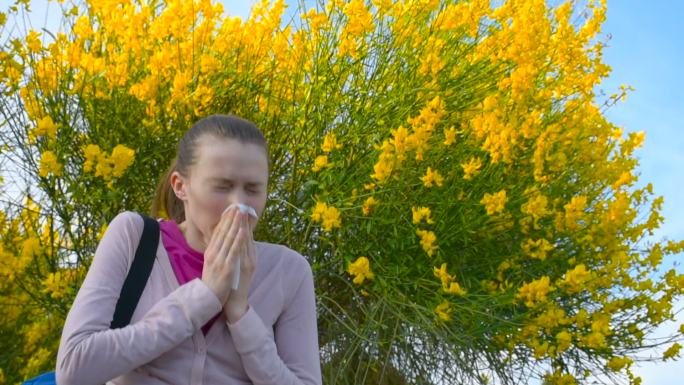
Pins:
x: 243, y: 209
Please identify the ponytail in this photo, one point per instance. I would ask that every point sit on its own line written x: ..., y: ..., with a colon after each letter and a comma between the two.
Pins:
x: 166, y: 204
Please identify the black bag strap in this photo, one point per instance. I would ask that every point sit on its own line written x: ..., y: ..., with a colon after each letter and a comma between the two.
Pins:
x: 138, y: 274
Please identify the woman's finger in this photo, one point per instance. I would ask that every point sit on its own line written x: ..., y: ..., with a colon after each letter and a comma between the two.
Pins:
x: 250, y: 252
x: 230, y: 238
x: 220, y: 231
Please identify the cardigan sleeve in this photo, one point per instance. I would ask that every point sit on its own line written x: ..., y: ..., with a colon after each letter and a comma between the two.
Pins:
x: 289, y: 355
x: 91, y: 353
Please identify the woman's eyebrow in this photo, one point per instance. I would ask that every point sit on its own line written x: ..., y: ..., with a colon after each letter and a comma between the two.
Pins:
x: 225, y: 180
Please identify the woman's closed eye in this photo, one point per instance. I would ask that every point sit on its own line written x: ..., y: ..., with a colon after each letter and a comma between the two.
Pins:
x: 228, y: 188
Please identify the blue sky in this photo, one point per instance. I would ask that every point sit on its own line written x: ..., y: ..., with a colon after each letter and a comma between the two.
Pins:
x: 646, y: 51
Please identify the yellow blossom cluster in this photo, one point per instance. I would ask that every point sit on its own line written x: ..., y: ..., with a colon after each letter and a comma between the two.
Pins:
x: 494, y: 203
x: 328, y: 216
x: 368, y: 205
x: 427, y: 241
x: 448, y: 285
x: 444, y: 311
x: 329, y: 144
x: 359, y: 22
x: 393, y: 151
x: 44, y: 127
x: 420, y: 213
x: 360, y: 270
x: 536, y: 248
x: 107, y: 166
x: 49, y: 164
x: 535, y: 292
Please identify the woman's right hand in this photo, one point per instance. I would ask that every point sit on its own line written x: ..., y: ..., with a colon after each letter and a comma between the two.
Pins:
x: 222, y: 252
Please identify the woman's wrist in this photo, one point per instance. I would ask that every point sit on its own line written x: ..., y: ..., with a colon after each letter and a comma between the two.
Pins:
x: 235, y: 311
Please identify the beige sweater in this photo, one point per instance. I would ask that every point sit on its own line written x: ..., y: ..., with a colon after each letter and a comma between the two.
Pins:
x: 275, y: 342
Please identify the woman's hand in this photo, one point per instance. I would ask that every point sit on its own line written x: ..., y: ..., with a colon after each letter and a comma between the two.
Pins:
x: 237, y: 304
x: 222, y: 252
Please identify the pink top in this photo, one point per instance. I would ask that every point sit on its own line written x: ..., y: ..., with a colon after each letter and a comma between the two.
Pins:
x: 187, y: 263
x: 275, y: 342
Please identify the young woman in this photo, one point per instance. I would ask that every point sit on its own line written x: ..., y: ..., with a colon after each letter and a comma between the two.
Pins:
x: 191, y: 326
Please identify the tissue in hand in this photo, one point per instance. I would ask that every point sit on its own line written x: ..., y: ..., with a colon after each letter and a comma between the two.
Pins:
x: 243, y: 209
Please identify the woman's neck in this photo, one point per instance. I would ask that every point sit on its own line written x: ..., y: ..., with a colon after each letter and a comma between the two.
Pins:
x: 192, y: 236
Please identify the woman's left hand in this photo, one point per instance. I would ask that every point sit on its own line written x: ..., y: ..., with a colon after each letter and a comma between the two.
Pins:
x: 237, y: 303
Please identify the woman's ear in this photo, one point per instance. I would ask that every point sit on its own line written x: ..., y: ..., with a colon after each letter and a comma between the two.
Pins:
x: 178, y: 185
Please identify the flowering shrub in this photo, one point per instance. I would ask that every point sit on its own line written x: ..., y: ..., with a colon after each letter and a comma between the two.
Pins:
x: 468, y: 211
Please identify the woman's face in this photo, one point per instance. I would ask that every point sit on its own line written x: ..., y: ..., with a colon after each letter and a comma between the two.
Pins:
x: 226, y: 171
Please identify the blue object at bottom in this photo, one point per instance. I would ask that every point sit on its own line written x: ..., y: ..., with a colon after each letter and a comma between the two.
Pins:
x: 44, y: 379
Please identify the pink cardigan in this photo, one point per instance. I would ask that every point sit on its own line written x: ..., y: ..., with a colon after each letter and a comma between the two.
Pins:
x: 275, y: 342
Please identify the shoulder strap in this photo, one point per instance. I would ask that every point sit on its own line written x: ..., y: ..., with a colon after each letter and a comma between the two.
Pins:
x: 138, y: 274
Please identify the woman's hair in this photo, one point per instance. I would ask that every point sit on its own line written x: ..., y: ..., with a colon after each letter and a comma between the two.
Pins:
x: 221, y: 127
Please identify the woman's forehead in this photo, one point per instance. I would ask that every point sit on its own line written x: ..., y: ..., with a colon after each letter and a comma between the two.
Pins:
x: 231, y: 159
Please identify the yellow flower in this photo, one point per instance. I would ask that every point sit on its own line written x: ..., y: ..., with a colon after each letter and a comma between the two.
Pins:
x: 360, y: 269
x: 30, y: 248
x: 449, y: 136
x: 320, y: 162
x: 535, y: 291
x: 49, y: 165
x: 454, y: 288
x: 385, y: 164
x: 574, y: 211
x: 103, y: 168
x: 540, y: 349
x: 122, y: 157
x: 536, y: 248
x: 328, y: 216
x: 360, y: 19
x: 444, y: 311
x: 427, y: 240
x: 617, y: 363
x: 420, y: 213
x: 55, y: 285
x: 330, y: 143
x: 181, y: 83
x: 46, y: 127
x: 368, y: 205
x: 558, y: 378
x: 535, y: 207
x: 432, y: 177
x: 672, y: 351
x: 317, y: 20
x: 400, y: 142
x: 575, y: 279
x: 594, y: 340
x: 430, y: 64
x: 442, y: 274
x: 91, y: 153
x: 35, y: 333
x: 471, y: 168
x: 448, y: 286
x: 563, y: 341
x: 383, y: 6
x: 494, y: 203
x: 33, y: 41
